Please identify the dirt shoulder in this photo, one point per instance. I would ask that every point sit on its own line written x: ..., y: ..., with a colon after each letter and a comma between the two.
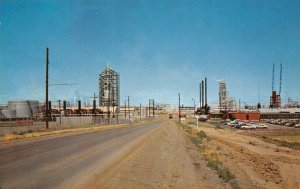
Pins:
x: 166, y: 159
x: 255, y: 162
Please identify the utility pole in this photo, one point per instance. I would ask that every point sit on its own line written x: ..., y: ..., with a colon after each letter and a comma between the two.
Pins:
x: 128, y: 108
x: 179, y: 106
x: 149, y: 108
x: 125, y: 110
x: 47, y: 100
x: 194, y: 107
x: 59, y: 112
x: 153, y: 108
x: 94, y: 103
x: 140, y: 111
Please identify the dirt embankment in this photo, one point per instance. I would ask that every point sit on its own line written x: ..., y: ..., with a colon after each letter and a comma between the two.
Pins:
x: 254, y: 162
x: 167, y: 159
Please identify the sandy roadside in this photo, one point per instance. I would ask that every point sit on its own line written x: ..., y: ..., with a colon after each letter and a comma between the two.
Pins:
x: 255, y: 163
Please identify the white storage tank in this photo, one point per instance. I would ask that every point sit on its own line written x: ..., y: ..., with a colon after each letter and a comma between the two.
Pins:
x: 23, y: 108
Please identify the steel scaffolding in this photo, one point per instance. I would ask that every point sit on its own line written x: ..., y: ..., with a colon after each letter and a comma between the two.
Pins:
x: 109, y: 89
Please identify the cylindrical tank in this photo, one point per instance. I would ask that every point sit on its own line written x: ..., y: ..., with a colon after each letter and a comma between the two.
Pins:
x: 23, y: 108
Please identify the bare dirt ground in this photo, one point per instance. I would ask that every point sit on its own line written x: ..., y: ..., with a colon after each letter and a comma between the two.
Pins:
x: 166, y: 159
x: 255, y: 162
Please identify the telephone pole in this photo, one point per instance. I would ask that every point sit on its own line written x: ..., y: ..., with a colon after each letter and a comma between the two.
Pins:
x: 151, y: 105
x: 47, y: 100
x: 194, y: 107
x: 94, y: 103
x: 179, y: 106
x: 128, y: 108
x: 153, y: 108
x: 149, y: 108
x: 140, y: 111
x: 125, y: 110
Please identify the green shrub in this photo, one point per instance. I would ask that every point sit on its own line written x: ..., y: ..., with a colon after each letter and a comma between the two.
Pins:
x: 213, y: 164
x: 201, y: 134
x: 225, y: 174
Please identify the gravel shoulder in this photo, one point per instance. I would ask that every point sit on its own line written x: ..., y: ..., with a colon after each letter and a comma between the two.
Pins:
x: 166, y: 159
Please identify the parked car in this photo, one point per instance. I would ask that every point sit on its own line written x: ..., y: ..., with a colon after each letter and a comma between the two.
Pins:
x: 248, y: 126
x: 262, y: 126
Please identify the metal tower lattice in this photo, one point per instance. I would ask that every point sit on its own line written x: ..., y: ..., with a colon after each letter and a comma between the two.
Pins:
x: 109, y: 88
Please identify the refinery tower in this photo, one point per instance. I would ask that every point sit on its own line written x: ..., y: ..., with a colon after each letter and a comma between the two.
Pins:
x: 109, y: 88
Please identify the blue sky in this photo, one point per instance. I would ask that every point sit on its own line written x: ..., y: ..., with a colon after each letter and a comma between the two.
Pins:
x: 159, y: 48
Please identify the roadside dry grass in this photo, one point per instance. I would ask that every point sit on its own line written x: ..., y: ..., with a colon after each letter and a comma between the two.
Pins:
x: 280, y: 138
x: 200, y: 139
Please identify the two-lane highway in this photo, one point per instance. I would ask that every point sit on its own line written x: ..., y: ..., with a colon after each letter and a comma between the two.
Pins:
x: 70, y: 161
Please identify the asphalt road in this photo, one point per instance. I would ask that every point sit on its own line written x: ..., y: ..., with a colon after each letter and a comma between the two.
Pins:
x: 68, y: 161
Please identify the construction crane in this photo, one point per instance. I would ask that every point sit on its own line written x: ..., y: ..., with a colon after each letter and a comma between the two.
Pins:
x: 280, y: 78
x: 275, y: 99
x: 273, y: 77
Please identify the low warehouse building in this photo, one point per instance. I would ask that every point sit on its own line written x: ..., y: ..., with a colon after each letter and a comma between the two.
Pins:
x: 251, y: 116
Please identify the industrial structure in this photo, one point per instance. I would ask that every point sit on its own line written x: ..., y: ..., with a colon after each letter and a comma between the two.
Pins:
x: 275, y: 99
x: 109, y: 88
x: 203, y: 106
x: 20, y: 109
x: 225, y: 102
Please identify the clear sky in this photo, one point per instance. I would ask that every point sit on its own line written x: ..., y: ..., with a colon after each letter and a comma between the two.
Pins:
x: 160, y: 48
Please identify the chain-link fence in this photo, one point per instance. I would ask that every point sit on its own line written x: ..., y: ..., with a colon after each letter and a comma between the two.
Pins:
x: 28, y: 125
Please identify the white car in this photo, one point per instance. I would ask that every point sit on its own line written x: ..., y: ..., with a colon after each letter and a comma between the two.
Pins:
x: 248, y: 126
x: 262, y: 126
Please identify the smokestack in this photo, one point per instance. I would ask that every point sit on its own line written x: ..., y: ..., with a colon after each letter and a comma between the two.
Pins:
x: 65, y: 105
x: 202, y: 84
x: 200, y: 96
x: 94, y: 106
x: 205, y: 92
x: 79, y: 105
